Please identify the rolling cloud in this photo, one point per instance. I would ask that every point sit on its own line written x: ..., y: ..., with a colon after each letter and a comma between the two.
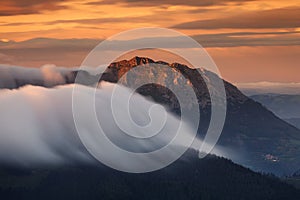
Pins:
x: 38, y: 128
x: 48, y: 75
x: 19, y: 7
x: 269, y: 87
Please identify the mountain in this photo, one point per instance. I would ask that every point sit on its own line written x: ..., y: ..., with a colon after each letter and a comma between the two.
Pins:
x: 188, y: 178
x: 252, y: 135
x: 285, y: 106
x: 294, y: 121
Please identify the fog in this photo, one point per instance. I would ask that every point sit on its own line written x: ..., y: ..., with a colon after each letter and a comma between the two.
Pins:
x: 37, y: 126
x: 49, y: 75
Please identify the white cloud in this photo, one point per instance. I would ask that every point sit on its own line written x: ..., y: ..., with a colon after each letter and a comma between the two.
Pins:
x: 37, y: 126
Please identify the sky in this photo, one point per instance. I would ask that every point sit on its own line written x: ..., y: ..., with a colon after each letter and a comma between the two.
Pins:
x: 250, y: 40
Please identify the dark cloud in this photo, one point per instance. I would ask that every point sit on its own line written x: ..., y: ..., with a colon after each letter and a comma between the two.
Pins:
x: 92, y: 21
x: 18, y: 24
x: 219, y: 40
x: 39, y: 51
x: 287, y: 38
x: 23, y: 7
x: 247, y: 39
x: 277, y: 18
x: 168, y: 2
x: 71, y: 52
x: 95, y: 21
x: 34, y: 134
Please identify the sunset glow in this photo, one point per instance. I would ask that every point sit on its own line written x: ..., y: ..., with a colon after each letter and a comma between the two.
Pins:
x: 224, y: 27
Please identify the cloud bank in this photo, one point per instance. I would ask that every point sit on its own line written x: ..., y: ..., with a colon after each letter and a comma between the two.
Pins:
x: 275, y: 18
x: 17, y: 7
x: 48, y: 75
x: 37, y: 126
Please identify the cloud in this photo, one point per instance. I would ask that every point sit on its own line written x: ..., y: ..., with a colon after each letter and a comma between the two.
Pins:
x: 95, y: 21
x: 71, y: 52
x: 39, y: 43
x: 39, y: 51
x: 283, y: 38
x: 236, y: 39
x: 20, y: 7
x: 37, y: 124
x: 47, y: 75
x: 220, y: 40
x: 276, y: 18
x: 52, y: 76
x: 167, y: 2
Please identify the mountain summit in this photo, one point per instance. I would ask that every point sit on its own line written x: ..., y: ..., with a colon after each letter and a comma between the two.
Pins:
x: 251, y: 135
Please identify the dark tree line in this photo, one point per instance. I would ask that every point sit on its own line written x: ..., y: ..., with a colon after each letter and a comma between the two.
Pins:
x: 189, y: 178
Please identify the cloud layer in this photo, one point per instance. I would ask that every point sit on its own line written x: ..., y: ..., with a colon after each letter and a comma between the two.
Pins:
x: 38, y: 129
x: 275, y: 18
x: 147, y: 3
x: 19, y: 7
x: 47, y: 76
x: 269, y: 87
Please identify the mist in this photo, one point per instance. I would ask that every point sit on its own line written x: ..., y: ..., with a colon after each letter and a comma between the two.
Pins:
x: 37, y: 125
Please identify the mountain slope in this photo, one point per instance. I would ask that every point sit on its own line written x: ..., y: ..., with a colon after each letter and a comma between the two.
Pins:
x: 294, y: 121
x: 252, y: 135
x: 286, y: 107
x: 251, y: 132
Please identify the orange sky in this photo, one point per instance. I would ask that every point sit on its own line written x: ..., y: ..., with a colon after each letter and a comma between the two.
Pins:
x: 250, y: 40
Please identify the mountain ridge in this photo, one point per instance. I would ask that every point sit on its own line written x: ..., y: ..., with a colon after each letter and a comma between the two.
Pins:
x: 251, y: 131
x: 252, y: 134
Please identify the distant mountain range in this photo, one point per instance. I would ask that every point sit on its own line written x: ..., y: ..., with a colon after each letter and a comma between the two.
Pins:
x: 294, y: 121
x: 252, y: 136
x: 189, y: 178
x: 257, y: 88
x: 286, y: 107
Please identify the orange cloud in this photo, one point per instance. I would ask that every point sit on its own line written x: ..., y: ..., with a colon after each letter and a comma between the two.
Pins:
x: 145, y: 3
x: 274, y: 18
x: 20, y: 7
